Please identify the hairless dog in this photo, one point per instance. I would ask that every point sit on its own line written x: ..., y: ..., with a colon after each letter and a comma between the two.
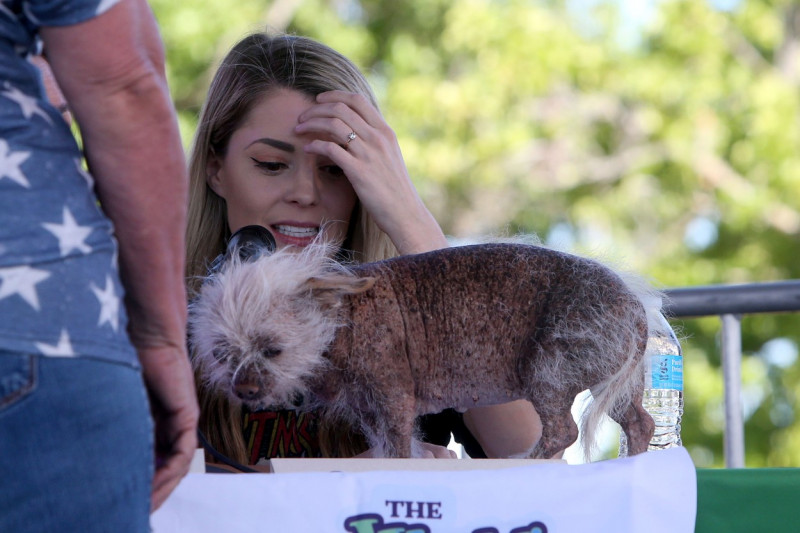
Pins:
x: 379, y: 344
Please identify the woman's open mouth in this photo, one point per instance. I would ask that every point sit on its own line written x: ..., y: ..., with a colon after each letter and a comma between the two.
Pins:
x: 296, y: 235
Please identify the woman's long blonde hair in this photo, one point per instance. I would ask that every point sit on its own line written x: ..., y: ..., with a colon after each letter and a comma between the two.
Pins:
x: 256, y: 65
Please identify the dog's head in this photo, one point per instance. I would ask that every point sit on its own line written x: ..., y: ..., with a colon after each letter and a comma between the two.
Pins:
x: 259, y: 328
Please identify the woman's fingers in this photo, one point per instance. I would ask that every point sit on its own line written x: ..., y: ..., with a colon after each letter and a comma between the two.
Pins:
x: 335, y: 130
x: 334, y: 100
x: 427, y: 450
x: 339, y: 114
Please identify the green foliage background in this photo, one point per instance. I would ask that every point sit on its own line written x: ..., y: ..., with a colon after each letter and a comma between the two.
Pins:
x: 672, y: 149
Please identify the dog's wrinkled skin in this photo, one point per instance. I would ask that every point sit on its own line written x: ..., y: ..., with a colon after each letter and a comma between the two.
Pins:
x: 381, y: 343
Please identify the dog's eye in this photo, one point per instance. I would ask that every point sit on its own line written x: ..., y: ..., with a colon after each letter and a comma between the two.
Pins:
x: 220, y: 354
x: 269, y: 353
x: 268, y: 345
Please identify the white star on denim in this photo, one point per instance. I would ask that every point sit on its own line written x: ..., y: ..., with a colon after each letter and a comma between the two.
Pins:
x: 70, y: 235
x: 28, y: 104
x: 10, y: 162
x: 62, y: 349
x: 109, y: 304
x: 22, y: 280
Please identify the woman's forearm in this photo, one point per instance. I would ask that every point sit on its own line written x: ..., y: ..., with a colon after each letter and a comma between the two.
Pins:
x: 505, y: 430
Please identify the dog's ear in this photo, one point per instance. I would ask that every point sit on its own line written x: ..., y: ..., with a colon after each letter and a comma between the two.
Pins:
x: 329, y: 290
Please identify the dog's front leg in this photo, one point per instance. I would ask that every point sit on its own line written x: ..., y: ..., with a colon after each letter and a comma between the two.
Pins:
x: 389, y: 427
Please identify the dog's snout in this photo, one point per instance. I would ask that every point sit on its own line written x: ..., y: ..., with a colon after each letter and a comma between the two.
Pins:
x: 247, y: 391
x: 246, y: 383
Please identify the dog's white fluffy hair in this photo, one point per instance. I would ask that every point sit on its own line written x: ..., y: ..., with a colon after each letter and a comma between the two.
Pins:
x: 227, y: 325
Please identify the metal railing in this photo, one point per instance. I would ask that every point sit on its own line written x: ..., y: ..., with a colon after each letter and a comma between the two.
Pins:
x: 730, y: 302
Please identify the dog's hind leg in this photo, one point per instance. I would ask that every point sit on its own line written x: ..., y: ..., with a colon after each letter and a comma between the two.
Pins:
x: 558, y: 427
x: 637, y: 424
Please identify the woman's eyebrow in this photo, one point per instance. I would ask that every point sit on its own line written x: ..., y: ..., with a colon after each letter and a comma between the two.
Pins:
x: 280, y: 145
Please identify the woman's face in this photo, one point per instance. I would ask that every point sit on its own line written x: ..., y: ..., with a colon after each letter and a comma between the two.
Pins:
x: 266, y: 178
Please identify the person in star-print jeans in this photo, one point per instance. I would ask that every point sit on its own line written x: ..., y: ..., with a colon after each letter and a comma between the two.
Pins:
x: 97, y: 406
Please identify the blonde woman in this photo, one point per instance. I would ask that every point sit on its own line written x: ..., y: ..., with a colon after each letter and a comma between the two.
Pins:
x: 290, y: 138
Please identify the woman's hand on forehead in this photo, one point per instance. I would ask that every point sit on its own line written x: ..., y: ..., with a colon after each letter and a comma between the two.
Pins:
x: 367, y: 150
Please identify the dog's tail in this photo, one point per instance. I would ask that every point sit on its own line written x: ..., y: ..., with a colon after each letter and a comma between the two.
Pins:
x: 614, y: 395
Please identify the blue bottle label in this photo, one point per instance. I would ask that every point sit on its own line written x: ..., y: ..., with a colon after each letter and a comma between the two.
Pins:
x: 666, y: 372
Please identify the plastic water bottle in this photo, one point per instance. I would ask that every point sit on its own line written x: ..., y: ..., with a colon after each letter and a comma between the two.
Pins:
x: 663, y: 393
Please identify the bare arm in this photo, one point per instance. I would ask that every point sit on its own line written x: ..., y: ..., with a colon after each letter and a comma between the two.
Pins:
x: 111, y: 71
x: 505, y: 430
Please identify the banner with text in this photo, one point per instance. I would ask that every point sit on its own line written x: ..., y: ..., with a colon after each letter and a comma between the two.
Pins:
x: 653, y: 492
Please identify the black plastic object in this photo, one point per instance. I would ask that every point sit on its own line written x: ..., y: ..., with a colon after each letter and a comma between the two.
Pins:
x: 250, y: 242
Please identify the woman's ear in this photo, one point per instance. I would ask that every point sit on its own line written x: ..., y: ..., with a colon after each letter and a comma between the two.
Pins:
x: 213, y: 167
